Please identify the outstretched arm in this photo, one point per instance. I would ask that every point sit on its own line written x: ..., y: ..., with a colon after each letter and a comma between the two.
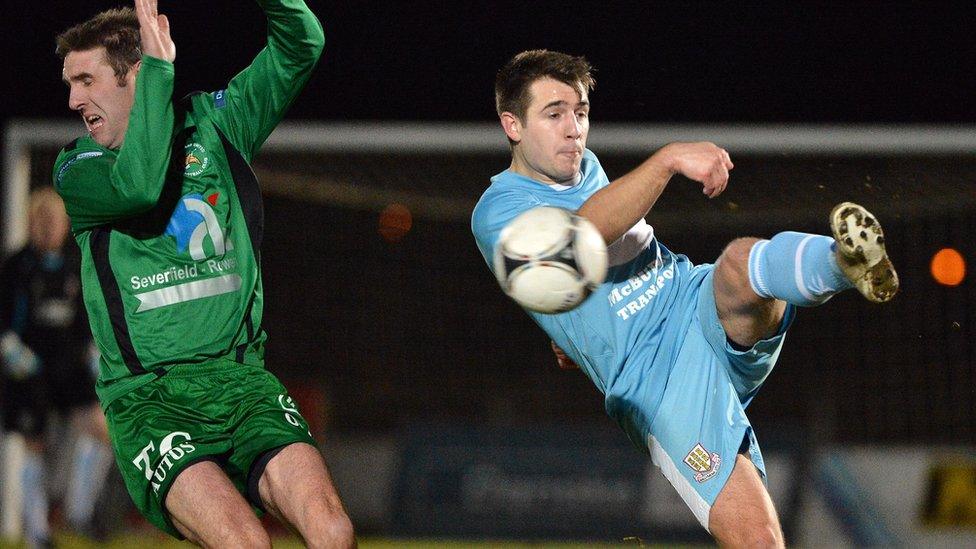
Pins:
x: 257, y: 98
x: 154, y: 31
x: 615, y: 208
x: 97, y: 188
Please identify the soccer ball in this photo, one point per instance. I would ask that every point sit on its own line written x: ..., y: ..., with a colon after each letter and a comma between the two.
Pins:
x: 549, y: 259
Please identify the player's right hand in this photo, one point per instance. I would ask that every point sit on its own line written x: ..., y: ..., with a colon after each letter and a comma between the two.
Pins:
x: 704, y: 162
x: 562, y: 360
x: 154, y: 31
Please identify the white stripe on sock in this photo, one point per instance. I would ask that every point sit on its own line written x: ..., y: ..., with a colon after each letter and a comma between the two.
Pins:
x: 798, y: 272
x: 755, y: 274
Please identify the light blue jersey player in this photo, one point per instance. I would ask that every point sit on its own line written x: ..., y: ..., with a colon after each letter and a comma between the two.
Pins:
x: 678, y: 350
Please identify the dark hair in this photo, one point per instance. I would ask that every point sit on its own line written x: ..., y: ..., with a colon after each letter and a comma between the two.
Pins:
x: 514, y: 79
x: 117, y: 30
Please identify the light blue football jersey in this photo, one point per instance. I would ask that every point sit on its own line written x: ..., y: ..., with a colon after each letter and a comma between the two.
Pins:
x: 626, y: 334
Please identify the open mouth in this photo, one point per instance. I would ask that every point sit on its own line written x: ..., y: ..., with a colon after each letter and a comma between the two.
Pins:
x: 93, y: 121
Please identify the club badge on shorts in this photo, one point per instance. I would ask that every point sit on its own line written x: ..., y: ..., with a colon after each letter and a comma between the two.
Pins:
x: 704, y: 463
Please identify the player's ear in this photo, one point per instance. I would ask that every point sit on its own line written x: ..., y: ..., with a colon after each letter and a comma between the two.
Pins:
x: 130, y: 75
x: 512, y: 126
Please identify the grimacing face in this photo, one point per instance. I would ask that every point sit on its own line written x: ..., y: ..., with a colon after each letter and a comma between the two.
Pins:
x: 552, y: 137
x: 96, y: 95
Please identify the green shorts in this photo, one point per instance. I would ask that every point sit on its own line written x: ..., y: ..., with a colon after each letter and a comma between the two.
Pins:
x: 236, y: 415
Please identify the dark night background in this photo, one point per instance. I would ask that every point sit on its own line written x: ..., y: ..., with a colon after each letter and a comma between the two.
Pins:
x: 398, y: 334
x: 657, y: 62
x: 384, y: 326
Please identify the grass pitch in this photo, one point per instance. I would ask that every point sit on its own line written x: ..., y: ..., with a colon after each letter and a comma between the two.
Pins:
x: 141, y: 541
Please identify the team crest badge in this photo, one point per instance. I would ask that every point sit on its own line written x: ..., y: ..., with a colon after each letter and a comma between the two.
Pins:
x: 197, y: 159
x: 704, y: 463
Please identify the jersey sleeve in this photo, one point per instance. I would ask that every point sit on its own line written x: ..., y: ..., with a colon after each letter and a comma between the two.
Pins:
x: 258, y: 97
x: 494, y: 211
x: 100, y: 187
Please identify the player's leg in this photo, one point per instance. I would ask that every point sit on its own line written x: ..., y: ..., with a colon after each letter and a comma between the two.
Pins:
x: 285, y: 473
x: 700, y: 436
x: 697, y: 445
x: 753, y: 277
x: 205, y: 506
x: 861, y: 252
x: 172, y: 438
x: 743, y: 514
x: 296, y: 487
x: 745, y: 316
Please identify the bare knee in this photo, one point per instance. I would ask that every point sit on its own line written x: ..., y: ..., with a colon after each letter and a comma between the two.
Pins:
x: 253, y: 535
x: 324, y: 523
x: 246, y: 533
x: 204, y: 506
x: 745, y: 317
x: 743, y: 514
x: 250, y: 535
x: 296, y: 485
x: 732, y: 267
x: 766, y: 535
x: 336, y: 531
x: 763, y: 534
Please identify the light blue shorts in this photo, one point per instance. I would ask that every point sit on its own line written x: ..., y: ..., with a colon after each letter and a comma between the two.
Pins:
x: 701, y: 424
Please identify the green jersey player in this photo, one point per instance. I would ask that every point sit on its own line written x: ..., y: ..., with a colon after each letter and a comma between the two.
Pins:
x: 169, y: 219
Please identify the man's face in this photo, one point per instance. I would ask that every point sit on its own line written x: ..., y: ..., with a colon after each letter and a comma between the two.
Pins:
x: 96, y: 95
x: 552, y: 136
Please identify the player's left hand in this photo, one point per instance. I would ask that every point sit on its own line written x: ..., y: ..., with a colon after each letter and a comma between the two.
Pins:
x: 704, y: 162
x: 562, y: 360
x: 154, y: 31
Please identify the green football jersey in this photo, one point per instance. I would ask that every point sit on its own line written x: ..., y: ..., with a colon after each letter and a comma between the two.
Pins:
x: 170, y: 224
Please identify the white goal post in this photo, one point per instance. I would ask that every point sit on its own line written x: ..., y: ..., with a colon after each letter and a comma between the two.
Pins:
x: 420, y: 137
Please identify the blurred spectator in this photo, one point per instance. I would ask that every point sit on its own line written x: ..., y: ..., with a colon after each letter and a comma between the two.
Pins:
x: 47, y: 364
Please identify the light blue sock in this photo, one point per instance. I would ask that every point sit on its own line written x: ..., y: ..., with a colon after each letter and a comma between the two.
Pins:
x: 798, y: 268
x: 36, y: 527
